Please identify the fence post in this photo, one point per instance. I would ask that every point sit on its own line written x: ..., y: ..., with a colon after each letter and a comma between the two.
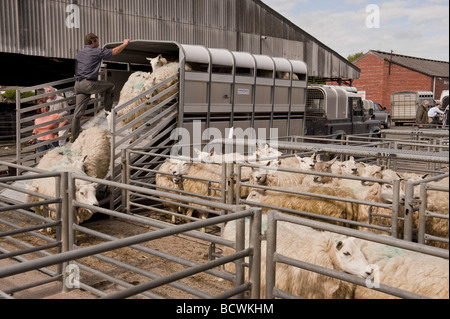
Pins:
x: 422, y: 213
x: 125, y: 162
x: 271, y: 235
x: 255, y: 265
x: 240, y: 245
x: 395, y: 208
x: 63, y: 215
x: 409, y: 211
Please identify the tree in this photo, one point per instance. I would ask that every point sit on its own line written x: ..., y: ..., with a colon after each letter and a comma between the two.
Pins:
x: 353, y: 57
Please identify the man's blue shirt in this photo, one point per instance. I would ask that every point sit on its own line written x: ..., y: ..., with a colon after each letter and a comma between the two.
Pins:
x: 89, y: 61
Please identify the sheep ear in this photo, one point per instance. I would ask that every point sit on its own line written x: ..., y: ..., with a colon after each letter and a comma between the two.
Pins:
x: 84, y: 159
x: 197, y: 151
x: 339, y: 245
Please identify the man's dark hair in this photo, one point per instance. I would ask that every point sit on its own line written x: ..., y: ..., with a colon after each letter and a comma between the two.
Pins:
x: 90, y: 38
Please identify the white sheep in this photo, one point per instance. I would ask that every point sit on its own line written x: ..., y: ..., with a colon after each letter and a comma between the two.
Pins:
x: 174, y: 169
x: 318, y: 206
x: 269, y: 177
x: 303, y: 243
x: 323, y: 167
x: 60, y: 160
x: 136, y: 84
x: 347, y: 167
x: 412, y: 271
x: 94, y: 146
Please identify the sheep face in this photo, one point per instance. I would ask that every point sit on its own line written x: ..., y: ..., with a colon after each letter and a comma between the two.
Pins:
x: 371, y: 171
x: 255, y: 195
x: 259, y: 174
x: 306, y: 163
x: 349, y: 167
x: 323, y: 167
x: 86, y: 193
x: 350, y: 257
x: 157, y: 62
x: 178, y: 168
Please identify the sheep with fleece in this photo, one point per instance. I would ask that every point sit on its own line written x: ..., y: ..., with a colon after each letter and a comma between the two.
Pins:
x: 269, y: 177
x: 347, y: 167
x: 94, y: 145
x: 169, y: 176
x: 322, y: 167
x: 303, y: 243
x: 436, y: 202
x: 307, y: 203
x: 60, y: 160
x: 404, y: 269
x: 162, y: 70
x: 136, y: 84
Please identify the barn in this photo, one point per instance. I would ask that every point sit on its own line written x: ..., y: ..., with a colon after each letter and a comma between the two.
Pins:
x: 384, y: 73
x: 41, y: 38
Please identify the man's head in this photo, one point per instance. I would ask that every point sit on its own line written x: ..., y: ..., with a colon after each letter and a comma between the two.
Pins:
x: 425, y: 103
x: 91, y: 39
x: 438, y: 104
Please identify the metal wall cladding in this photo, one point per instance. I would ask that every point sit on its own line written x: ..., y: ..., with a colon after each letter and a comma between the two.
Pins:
x: 41, y: 28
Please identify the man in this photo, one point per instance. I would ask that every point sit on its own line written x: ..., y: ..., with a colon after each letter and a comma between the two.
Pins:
x: 88, y: 62
x: 422, y: 113
x: 433, y: 114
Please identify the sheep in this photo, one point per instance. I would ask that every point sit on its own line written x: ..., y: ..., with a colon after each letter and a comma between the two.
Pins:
x: 271, y: 177
x: 162, y: 70
x: 312, y: 246
x: 174, y: 168
x: 412, y: 271
x: 94, y: 145
x: 347, y: 167
x: 323, y: 167
x: 57, y: 160
x: 136, y: 84
x: 315, y: 205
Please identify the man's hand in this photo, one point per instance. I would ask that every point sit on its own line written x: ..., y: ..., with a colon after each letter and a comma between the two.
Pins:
x: 121, y: 47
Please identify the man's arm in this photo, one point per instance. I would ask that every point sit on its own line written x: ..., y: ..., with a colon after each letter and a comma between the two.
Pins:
x: 121, y: 47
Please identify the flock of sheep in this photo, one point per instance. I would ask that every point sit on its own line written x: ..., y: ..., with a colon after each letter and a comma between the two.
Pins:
x: 90, y: 155
x: 297, y: 241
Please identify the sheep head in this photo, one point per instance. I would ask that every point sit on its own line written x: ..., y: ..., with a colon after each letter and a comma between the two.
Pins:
x: 348, y: 257
x: 157, y: 62
x: 306, y: 163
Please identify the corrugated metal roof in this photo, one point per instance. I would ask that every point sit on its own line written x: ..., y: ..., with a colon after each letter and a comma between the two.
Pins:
x: 425, y: 66
x: 38, y: 27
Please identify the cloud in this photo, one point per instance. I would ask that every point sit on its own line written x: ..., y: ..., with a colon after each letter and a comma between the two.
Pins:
x: 417, y: 28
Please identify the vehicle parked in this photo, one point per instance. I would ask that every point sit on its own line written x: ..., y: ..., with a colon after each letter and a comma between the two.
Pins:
x: 404, y: 105
x: 338, y: 111
x: 382, y: 115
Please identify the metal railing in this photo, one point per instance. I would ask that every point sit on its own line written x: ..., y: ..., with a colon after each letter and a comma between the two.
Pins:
x: 68, y: 251
x: 273, y: 257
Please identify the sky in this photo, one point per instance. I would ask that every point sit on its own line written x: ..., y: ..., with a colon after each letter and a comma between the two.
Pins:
x: 413, y: 28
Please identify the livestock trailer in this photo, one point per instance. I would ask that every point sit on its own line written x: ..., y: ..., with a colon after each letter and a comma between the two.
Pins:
x: 337, y: 111
x: 404, y: 105
x: 223, y: 89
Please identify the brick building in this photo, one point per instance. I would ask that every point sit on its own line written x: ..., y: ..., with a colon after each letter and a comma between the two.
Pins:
x: 384, y: 73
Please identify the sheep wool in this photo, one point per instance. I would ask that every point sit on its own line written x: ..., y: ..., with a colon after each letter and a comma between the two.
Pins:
x: 308, y: 245
x: 318, y: 206
x: 411, y: 271
x: 94, y: 145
